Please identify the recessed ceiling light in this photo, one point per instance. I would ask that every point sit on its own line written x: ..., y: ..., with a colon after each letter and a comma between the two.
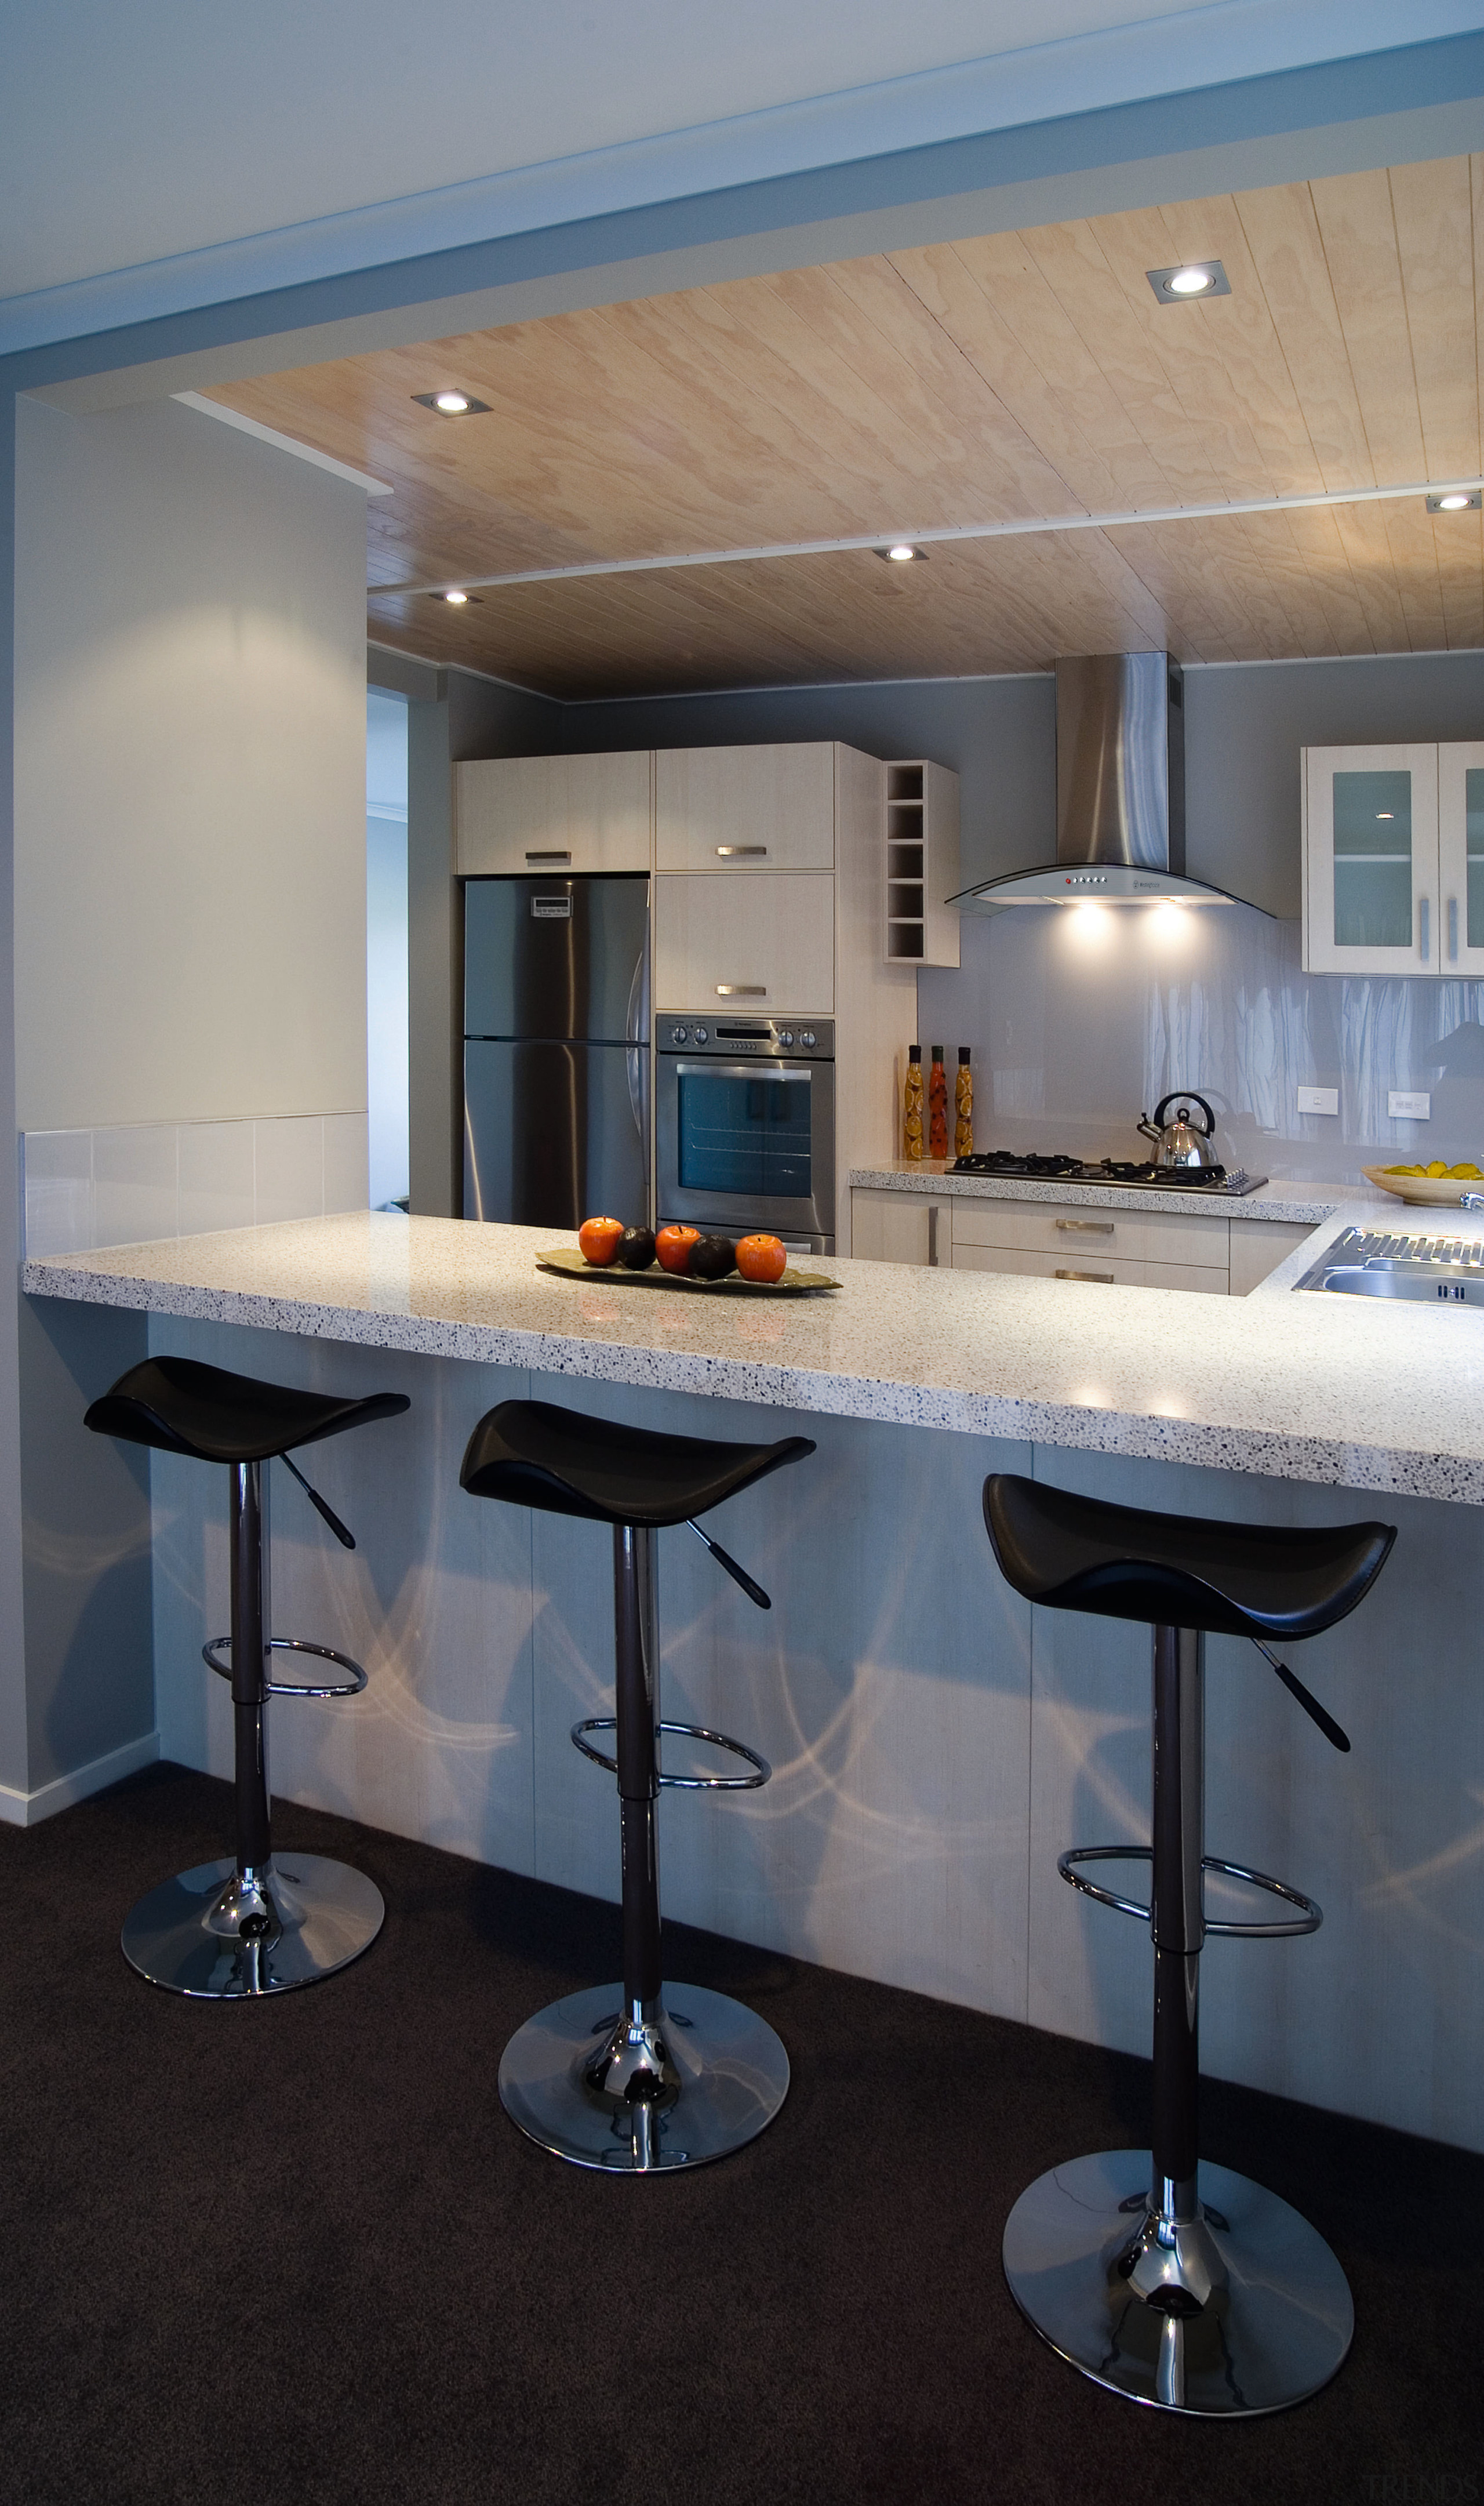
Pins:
x: 901, y: 552
x: 1189, y: 279
x: 1455, y: 500
x: 452, y: 402
x: 456, y: 599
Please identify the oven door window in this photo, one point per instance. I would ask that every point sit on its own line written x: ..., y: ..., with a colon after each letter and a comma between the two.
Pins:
x: 745, y: 1134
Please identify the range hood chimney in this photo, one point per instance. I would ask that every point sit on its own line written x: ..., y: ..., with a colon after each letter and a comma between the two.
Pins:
x: 1120, y: 793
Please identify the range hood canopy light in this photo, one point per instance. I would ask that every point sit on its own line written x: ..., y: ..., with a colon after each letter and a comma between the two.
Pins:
x: 1120, y: 793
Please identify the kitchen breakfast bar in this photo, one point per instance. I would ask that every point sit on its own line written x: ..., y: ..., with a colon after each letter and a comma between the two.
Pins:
x: 936, y: 1743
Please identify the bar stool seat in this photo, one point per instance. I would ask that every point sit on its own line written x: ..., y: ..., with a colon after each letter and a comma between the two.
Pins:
x: 226, y: 1931
x: 639, y: 2077
x: 1168, y: 2279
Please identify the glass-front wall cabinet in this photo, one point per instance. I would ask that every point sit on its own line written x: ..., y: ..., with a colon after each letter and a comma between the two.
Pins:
x: 1394, y: 860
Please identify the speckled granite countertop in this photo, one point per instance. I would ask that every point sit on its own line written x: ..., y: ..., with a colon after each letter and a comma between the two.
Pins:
x: 1295, y: 1202
x: 1332, y: 1389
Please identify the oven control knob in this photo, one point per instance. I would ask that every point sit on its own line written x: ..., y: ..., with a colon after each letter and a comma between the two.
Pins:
x: 784, y: 1035
x: 807, y: 1038
x: 701, y: 1035
x: 677, y: 1035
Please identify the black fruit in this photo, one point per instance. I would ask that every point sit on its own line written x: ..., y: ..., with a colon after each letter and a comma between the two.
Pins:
x: 636, y: 1248
x: 712, y: 1257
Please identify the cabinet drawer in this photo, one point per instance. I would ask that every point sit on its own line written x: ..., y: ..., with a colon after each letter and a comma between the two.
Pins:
x: 764, y: 943
x: 1130, y: 1235
x: 518, y: 814
x: 740, y: 812
x: 900, y: 1227
x: 1082, y: 1260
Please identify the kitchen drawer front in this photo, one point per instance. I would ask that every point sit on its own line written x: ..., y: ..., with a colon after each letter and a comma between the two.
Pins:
x: 1134, y: 1236
x: 900, y: 1227
x: 1258, y: 1247
x: 1084, y: 1262
x: 744, y: 810
x: 734, y: 946
x: 518, y: 815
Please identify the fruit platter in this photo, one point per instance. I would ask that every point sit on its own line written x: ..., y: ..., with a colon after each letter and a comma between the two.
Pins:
x: 684, y: 1257
x: 1434, y: 1186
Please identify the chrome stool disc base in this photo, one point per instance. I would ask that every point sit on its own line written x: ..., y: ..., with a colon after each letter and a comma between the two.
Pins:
x: 723, y: 2075
x: 1274, y: 2328
x: 220, y: 1937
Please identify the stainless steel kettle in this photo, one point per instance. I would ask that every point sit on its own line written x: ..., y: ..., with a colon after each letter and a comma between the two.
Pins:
x: 1182, y: 1142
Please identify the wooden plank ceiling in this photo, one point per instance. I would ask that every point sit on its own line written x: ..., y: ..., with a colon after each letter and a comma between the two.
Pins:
x: 1014, y: 378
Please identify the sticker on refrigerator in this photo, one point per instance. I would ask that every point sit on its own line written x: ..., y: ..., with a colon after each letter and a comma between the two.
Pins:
x: 552, y: 909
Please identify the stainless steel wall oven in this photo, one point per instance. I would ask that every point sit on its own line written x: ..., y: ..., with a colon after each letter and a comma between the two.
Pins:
x: 744, y: 1126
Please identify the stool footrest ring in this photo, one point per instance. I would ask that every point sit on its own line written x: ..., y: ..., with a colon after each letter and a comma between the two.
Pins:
x: 350, y: 1687
x: 1309, y: 1914
x: 761, y: 1773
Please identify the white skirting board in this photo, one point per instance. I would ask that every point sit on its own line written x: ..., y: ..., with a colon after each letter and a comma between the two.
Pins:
x: 27, y: 1810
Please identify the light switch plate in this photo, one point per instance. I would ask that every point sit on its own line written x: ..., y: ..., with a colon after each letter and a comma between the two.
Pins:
x: 1409, y: 1106
x: 1318, y: 1101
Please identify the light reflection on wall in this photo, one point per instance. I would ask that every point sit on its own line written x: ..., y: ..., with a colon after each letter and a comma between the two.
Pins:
x: 1078, y: 1018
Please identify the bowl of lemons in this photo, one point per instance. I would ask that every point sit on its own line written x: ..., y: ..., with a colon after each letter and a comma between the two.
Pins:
x: 1437, y: 1185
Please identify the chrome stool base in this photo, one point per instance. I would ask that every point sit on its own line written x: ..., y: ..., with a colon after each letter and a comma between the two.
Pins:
x: 220, y: 1936
x: 725, y: 2076
x: 1274, y: 2327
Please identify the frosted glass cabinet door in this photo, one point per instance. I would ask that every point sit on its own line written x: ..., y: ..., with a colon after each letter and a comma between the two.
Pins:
x: 1460, y: 857
x: 1370, y: 861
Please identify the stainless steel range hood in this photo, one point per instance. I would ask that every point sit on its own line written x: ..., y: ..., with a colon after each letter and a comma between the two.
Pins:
x: 1120, y: 793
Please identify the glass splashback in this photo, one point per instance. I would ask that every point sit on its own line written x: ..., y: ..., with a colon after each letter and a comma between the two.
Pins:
x: 1373, y: 859
x: 744, y: 1135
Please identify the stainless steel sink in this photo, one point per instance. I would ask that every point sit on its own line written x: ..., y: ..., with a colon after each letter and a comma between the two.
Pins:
x: 1419, y: 1269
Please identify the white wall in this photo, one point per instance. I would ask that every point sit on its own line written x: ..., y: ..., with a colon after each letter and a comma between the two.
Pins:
x: 386, y: 945
x: 190, y: 775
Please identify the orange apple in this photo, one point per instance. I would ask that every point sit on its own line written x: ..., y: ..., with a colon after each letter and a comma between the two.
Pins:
x: 761, y: 1257
x: 672, y: 1247
x: 598, y: 1240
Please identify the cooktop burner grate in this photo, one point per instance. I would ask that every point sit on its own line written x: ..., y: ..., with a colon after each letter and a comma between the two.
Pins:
x: 1010, y: 1162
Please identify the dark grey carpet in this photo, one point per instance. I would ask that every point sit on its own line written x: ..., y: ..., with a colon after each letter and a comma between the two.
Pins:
x: 294, y: 2252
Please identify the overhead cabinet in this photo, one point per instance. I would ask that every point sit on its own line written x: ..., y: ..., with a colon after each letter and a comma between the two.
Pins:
x: 1394, y: 860
x: 514, y: 815
x: 737, y: 811
x: 765, y: 944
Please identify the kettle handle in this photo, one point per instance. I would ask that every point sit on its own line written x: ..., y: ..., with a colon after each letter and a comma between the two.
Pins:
x: 1184, y: 1096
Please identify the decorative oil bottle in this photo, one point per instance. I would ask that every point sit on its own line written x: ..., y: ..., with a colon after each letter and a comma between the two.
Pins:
x: 912, y: 1104
x: 937, y: 1106
x: 962, y: 1107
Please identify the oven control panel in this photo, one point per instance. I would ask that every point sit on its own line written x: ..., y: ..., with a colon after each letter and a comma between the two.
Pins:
x: 742, y: 1039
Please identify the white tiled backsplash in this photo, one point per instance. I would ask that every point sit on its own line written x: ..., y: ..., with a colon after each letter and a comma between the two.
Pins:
x: 136, y: 1182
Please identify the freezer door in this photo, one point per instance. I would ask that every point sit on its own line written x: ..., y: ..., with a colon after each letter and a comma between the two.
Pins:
x: 555, y: 1133
x: 557, y: 957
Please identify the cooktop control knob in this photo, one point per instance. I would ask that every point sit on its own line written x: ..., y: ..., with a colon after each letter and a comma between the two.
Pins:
x: 784, y: 1035
x: 807, y: 1037
x: 702, y: 1035
x: 677, y: 1035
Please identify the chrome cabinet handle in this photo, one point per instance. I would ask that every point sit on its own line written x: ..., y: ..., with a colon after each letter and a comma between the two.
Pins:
x: 1453, y: 930
x: 741, y: 852
x: 933, y: 1236
x: 549, y: 857
x: 1104, y: 1278
x: 1085, y: 1225
x: 1423, y: 917
x: 741, y: 991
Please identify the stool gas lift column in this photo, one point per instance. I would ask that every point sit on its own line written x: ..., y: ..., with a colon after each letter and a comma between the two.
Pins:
x: 1166, y: 2278
x: 643, y: 2076
x: 230, y: 1930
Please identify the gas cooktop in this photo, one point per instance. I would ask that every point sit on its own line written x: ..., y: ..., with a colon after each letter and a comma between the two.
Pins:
x: 1121, y: 1171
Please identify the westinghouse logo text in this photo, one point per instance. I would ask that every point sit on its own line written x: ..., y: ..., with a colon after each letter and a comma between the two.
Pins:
x: 1420, y: 2489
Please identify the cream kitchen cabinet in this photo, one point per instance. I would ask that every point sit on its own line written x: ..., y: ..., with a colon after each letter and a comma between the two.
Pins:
x: 902, y: 1226
x: 738, y: 812
x: 764, y: 943
x: 515, y: 816
x: 1129, y: 1249
x: 1258, y: 1245
x: 1394, y: 860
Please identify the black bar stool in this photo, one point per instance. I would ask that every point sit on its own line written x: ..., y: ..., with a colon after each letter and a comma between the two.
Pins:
x: 1159, y: 2275
x: 643, y: 2076
x: 227, y: 1930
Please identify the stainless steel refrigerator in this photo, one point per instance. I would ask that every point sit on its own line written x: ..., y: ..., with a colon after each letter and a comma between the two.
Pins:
x: 556, y: 1057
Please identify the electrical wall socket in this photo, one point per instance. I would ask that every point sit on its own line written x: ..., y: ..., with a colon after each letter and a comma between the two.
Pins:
x: 1318, y: 1101
x: 1409, y: 1106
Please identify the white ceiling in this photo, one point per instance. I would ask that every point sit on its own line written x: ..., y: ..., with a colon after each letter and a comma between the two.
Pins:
x: 132, y: 133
